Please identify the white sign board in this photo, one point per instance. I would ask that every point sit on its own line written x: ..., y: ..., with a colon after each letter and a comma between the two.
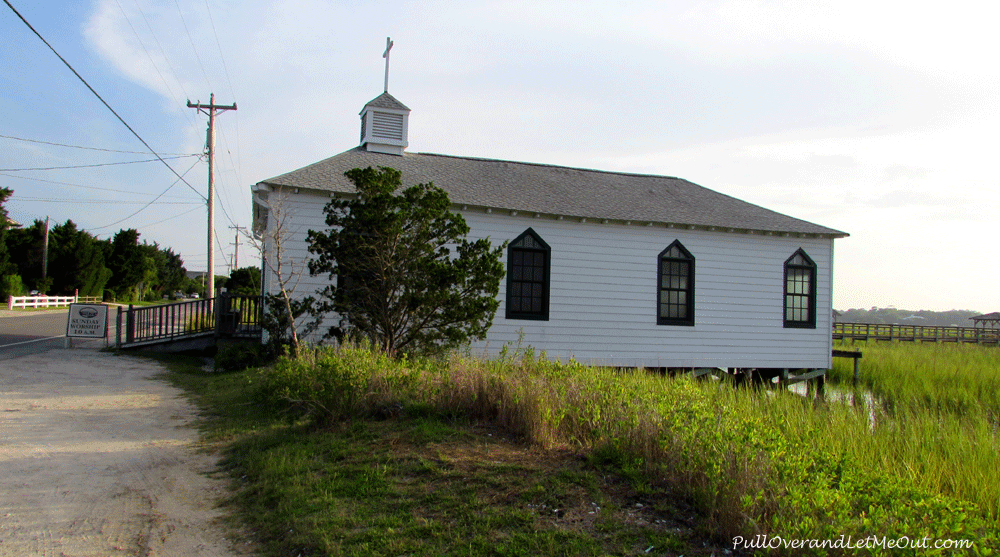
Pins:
x: 87, y: 321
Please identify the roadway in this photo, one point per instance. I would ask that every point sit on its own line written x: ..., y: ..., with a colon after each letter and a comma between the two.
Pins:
x: 30, y: 332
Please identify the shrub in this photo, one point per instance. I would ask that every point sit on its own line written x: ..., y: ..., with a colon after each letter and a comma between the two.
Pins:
x: 11, y: 285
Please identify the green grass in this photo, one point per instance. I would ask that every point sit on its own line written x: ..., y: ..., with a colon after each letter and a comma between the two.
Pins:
x: 959, y: 379
x: 936, y: 409
x: 421, y: 482
x: 344, y: 452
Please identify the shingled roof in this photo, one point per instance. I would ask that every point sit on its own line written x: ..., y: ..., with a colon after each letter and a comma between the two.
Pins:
x: 556, y: 190
x: 385, y: 100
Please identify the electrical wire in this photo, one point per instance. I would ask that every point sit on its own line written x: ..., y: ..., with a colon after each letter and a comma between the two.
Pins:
x: 171, y: 218
x: 117, y: 202
x: 88, y: 148
x: 218, y: 44
x: 80, y: 185
x: 150, y: 56
x: 173, y: 72
x: 96, y: 165
x: 193, y: 48
x: 151, y: 202
x: 99, y: 97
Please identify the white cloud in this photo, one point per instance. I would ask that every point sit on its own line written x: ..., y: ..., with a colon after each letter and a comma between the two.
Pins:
x: 875, y: 118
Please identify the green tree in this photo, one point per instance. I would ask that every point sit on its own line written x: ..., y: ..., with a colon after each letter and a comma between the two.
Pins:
x: 171, y: 273
x: 25, y: 247
x: 129, y: 265
x: 9, y: 286
x: 399, y: 285
x: 244, y: 281
x: 76, y: 261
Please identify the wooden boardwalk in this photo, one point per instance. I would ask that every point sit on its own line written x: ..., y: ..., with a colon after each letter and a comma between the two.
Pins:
x: 915, y: 333
x: 227, y: 316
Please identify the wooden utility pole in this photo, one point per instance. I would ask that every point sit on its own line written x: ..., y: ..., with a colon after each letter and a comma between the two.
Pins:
x: 236, y: 254
x: 45, y: 252
x: 210, y: 109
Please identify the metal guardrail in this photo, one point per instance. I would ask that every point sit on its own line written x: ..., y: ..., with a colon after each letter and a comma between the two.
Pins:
x: 225, y: 316
x: 915, y: 333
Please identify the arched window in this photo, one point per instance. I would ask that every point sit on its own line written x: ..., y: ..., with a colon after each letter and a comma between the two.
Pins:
x: 528, y: 277
x: 675, y: 280
x: 800, y: 291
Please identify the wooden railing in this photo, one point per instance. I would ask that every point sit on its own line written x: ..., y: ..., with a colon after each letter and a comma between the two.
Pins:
x: 225, y: 316
x: 239, y: 316
x: 39, y: 301
x: 915, y: 333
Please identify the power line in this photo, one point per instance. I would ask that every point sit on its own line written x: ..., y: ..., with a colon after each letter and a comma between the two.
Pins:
x: 96, y: 165
x: 82, y: 147
x: 171, y: 218
x: 151, y: 202
x: 99, y: 97
x: 148, y: 55
x: 193, y: 48
x: 218, y: 44
x: 50, y: 200
x: 80, y: 185
x: 236, y: 163
x: 167, y: 59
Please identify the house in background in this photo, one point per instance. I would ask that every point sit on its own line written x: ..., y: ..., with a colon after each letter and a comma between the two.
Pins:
x: 609, y: 268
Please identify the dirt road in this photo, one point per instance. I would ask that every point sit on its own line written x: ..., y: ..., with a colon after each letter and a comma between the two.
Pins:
x: 96, y: 458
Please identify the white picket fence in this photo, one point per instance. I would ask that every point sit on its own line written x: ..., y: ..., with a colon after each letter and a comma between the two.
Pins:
x: 48, y: 301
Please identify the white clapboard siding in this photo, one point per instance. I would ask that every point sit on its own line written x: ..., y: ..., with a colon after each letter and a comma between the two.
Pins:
x: 603, y: 288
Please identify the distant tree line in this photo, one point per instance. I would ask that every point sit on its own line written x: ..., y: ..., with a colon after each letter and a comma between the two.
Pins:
x: 955, y: 317
x: 120, y: 268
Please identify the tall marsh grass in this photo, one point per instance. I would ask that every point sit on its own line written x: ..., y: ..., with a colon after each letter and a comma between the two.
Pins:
x: 954, y: 378
x: 752, y: 462
x: 936, y: 410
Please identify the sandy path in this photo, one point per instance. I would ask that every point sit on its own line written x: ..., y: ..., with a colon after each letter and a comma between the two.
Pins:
x: 96, y: 459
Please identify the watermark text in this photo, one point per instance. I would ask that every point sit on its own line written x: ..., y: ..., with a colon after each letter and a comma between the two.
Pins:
x: 848, y: 542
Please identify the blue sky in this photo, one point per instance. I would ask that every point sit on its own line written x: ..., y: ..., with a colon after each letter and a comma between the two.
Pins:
x: 877, y: 119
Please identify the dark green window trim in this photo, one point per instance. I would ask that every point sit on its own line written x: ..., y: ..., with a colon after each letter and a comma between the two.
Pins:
x: 800, y: 291
x: 675, y: 286
x: 528, y: 269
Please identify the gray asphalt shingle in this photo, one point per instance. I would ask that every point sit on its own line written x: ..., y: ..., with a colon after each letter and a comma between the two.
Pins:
x: 556, y: 190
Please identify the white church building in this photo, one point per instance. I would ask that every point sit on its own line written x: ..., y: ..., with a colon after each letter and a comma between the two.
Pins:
x: 609, y: 268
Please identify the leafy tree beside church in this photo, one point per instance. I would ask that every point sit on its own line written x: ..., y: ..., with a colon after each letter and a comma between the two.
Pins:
x: 403, y: 276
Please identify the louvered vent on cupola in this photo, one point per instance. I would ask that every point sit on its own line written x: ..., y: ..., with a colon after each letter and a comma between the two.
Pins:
x: 384, y: 125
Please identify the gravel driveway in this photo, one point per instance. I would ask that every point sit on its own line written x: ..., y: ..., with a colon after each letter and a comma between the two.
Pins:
x: 97, y: 458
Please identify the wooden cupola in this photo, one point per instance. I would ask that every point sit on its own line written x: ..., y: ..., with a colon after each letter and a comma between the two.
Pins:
x: 384, y: 123
x: 384, y: 120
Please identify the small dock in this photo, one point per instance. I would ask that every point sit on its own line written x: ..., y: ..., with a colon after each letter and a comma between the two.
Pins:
x: 915, y: 333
